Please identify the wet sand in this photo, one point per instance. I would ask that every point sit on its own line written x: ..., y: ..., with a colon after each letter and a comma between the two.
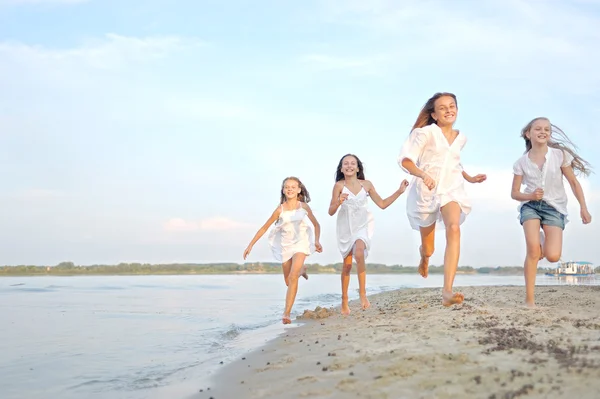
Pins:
x: 408, y: 346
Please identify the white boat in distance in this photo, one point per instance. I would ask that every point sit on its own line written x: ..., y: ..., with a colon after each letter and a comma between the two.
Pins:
x: 572, y: 268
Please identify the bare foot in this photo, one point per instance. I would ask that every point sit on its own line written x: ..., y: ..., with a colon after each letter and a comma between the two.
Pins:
x: 304, y: 274
x: 423, y: 264
x: 364, y: 301
x: 449, y: 298
x: 286, y: 319
x: 530, y: 304
x: 345, y: 308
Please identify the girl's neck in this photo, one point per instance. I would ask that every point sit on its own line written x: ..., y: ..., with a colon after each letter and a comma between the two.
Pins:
x: 351, y: 179
x: 293, y: 202
x: 446, y: 129
x: 539, y: 148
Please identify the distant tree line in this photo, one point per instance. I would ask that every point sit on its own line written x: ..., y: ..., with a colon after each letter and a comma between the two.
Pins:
x: 70, y: 269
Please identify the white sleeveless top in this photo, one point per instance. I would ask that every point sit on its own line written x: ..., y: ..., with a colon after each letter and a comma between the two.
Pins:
x: 354, y: 222
x: 291, y: 234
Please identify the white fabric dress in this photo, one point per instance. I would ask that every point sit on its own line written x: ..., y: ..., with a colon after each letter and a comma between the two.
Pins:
x: 428, y: 148
x: 354, y: 222
x: 291, y: 234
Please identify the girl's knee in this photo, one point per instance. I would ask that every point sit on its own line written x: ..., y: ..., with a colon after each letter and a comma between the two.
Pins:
x: 453, y: 229
x: 552, y: 256
x: 293, y: 278
x: 533, y: 252
x: 359, y: 255
x: 347, y: 268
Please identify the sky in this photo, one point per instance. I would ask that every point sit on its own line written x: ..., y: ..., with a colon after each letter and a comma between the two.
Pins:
x: 160, y: 131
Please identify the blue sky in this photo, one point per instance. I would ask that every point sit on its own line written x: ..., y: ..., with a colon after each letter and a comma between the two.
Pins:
x: 160, y: 131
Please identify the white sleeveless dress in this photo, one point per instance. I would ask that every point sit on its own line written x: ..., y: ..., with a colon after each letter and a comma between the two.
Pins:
x: 354, y: 222
x: 291, y: 234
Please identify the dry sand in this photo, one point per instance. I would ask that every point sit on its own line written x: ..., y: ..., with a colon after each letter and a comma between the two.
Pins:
x: 408, y: 346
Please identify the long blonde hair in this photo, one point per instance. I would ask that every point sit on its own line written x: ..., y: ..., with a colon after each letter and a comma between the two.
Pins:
x: 559, y: 140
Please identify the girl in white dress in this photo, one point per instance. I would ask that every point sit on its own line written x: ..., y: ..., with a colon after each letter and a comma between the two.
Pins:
x: 291, y: 239
x: 548, y: 157
x: 351, y: 193
x: 432, y: 155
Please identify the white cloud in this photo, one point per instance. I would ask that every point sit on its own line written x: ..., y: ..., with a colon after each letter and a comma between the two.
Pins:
x: 217, y: 223
x: 111, y: 52
x: 542, y: 42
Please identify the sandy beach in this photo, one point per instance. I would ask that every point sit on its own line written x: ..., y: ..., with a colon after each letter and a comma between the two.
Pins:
x: 408, y: 346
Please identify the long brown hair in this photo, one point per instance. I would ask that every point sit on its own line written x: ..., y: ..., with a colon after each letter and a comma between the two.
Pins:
x: 424, y: 117
x: 303, y: 195
x: 361, y: 170
x: 559, y: 140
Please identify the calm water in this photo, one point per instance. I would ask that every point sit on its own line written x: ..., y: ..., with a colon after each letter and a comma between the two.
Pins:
x: 156, y: 336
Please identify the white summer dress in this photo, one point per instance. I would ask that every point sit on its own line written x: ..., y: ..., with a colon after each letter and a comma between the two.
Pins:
x: 428, y: 148
x: 354, y: 222
x: 291, y: 234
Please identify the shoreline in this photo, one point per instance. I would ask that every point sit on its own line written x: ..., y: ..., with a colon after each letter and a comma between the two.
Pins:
x: 408, y: 345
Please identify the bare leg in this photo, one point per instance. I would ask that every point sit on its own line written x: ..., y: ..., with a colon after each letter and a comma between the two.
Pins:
x: 286, y: 267
x: 451, y: 215
x: 297, y: 263
x: 361, y: 270
x: 426, y: 249
x: 542, y: 241
x: 553, y: 243
x: 345, y: 283
x: 531, y: 228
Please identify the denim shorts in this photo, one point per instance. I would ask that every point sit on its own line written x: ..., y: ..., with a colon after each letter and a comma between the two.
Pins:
x: 545, y: 213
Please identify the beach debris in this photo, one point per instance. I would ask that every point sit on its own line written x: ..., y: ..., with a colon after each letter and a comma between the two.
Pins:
x: 318, y: 313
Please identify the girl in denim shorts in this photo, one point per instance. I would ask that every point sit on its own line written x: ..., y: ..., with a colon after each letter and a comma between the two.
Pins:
x: 549, y: 156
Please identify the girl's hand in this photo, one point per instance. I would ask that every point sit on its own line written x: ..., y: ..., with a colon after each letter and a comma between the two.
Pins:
x: 403, y: 186
x: 318, y: 246
x: 247, y: 251
x: 343, y: 197
x: 537, y: 195
x: 585, y: 216
x: 478, y: 179
x: 428, y: 181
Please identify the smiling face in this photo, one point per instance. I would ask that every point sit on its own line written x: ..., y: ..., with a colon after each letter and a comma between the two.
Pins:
x: 349, y: 166
x: 290, y: 189
x: 444, y: 111
x: 539, y: 132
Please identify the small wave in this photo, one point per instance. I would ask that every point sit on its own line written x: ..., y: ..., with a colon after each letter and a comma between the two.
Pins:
x: 235, y: 330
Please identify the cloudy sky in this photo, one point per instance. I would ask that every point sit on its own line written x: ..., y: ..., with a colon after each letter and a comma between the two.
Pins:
x: 160, y: 130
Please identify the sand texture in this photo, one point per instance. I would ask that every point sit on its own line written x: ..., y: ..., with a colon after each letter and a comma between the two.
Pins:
x: 408, y: 346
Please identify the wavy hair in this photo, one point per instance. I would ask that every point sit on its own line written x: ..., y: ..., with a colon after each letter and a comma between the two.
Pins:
x: 559, y: 140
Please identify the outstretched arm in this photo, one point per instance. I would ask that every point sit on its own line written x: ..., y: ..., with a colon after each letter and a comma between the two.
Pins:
x: 577, y: 192
x: 474, y: 179
x: 384, y: 203
x: 314, y: 221
x: 336, y: 198
x: 262, y: 230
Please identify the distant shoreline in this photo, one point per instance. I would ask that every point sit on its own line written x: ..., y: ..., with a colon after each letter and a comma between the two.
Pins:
x: 254, y: 268
x: 257, y: 268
